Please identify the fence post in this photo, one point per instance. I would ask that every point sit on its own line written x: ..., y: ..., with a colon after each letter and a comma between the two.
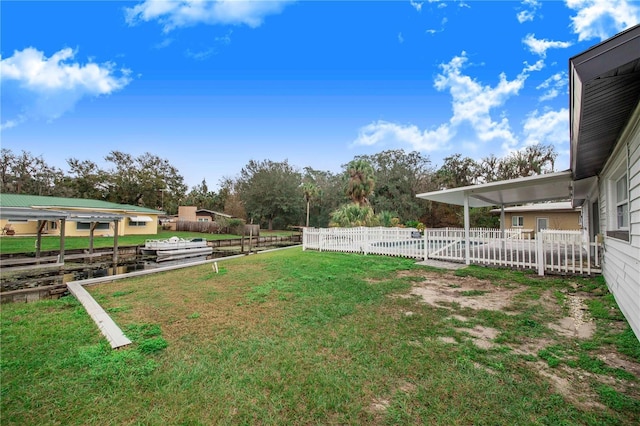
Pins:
x: 365, y: 241
x: 304, y: 240
x: 426, y: 244
x: 540, y: 253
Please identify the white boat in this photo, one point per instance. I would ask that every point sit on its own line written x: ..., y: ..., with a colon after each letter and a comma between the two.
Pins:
x: 176, y: 248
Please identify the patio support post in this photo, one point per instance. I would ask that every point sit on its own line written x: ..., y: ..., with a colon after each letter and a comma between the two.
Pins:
x: 63, y: 223
x: 466, y: 229
x: 115, y: 242
x: 91, y: 234
x: 41, y: 225
x: 502, y: 229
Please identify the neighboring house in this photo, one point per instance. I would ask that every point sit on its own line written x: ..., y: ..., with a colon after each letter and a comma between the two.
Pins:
x: 193, y: 214
x: 605, y: 158
x: 135, y: 220
x: 210, y: 215
x: 561, y: 215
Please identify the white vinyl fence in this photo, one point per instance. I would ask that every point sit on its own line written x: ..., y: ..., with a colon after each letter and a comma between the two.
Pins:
x: 553, y: 251
x: 402, y: 242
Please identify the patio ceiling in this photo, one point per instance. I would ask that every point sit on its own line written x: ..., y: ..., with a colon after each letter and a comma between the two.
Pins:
x: 547, y: 187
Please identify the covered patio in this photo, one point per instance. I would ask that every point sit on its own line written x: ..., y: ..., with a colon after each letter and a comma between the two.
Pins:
x: 551, y: 250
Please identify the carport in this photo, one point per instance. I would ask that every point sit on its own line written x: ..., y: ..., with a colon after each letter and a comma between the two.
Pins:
x: 42, y: 216
x: 531, y: 189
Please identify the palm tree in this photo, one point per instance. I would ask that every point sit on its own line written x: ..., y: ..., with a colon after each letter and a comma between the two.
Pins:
x: 350, y: 215
x: 361, y: 182
x: 310, y: 191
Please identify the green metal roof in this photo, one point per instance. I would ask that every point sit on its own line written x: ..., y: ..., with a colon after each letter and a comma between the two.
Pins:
x: 19, y: 200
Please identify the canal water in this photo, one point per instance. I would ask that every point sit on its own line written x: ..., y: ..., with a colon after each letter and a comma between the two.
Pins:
x: 40, y: 277
x: 18, y: 280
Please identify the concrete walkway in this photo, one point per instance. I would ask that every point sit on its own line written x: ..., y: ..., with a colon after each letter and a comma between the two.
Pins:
x: 442, y: 264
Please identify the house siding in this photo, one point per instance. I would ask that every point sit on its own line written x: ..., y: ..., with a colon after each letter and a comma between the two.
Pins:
x: 621, y: 262
x: 556, y: 220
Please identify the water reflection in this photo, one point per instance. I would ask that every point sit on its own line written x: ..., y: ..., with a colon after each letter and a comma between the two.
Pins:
x: 10, y: 281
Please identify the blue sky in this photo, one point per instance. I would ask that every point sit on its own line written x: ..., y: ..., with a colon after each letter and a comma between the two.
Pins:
x: 210, y: 85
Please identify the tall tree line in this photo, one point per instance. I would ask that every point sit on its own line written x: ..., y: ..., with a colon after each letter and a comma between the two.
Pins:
x: 278, y: 194
x: 146, y: 180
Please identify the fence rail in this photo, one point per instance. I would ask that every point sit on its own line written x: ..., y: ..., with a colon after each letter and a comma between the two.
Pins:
x: 552, y: 251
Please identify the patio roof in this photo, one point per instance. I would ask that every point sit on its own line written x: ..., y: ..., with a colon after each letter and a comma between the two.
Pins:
x: 531, y: 189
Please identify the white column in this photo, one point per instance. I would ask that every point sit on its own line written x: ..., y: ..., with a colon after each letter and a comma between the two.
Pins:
x: 466, y: 229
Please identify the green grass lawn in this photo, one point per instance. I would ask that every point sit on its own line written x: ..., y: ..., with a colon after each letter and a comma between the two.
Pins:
x: 299, y: 338
x: 17, y: 244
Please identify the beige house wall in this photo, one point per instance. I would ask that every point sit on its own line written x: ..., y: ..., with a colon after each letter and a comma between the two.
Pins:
x: 148, y: 228
x: 187, y: 213
x: 20, y: 227
x: 564, y: 221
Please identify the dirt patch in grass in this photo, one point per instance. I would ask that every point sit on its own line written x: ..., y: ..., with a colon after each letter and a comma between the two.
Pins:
x: 444, y: 290
x: 482, y: 336
x: 571, y: 384
x: 569, y: 323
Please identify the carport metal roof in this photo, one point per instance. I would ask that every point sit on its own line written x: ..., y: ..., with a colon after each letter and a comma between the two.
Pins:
x: 31, y: 214
x: 531, y: 189
x: 21, y: 213
x: 101, y: 217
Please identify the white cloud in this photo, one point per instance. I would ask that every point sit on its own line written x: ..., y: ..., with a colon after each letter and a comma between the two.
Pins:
x: 385, y: 133
x: 46, y: 88
x: 12, y: 123
x: 549, y: 128
x: 443, y: 22
x: 400, y: 38
x: 416, y: 5
x: 553, y: 86
x: 540, y: 47
x: 164, y: 43
x: 528, y: 14
x: 200, y: 55
x: 173, y: 14
x: 472, y: 104
x: 602, y: 18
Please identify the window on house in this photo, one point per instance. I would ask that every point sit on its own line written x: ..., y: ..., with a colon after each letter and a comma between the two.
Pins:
x: 136, y: 223
x: 53, y: 225
x: 622, y: 203
x: 517, y: 221
x: 86, y: 226
x: 203, y: 219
